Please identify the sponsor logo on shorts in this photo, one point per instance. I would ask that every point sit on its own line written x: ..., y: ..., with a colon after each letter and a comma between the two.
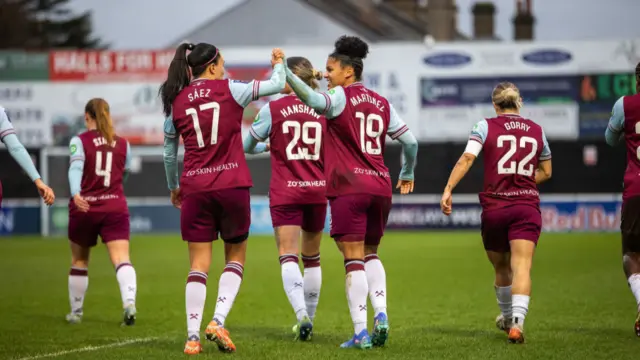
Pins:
x: 371, y: 172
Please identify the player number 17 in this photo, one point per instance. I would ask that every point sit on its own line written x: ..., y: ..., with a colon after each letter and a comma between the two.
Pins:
x: 215, y: 107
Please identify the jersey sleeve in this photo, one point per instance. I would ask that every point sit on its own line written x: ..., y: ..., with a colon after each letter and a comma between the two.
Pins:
x: 262, y: 124
x: 6, y: 128
x: 336, y: 102
x: 76, y: 150
x: 170, y: 154
x: 76, y: 165
x: 397, y: 126
x: 477, y: 137
x: 127, y: 161
x: 616, y: 123
x: 169, y: 129
x: 546, y: 150
x: 246, y: 92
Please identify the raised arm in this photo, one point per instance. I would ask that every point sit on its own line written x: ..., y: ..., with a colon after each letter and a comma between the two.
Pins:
x: 398, y: 130
x: 614, y: 133
x: 259, y: 132
x: 330, y: 103
x: 170, y: 155
x: 474, y: 146
x: 244, y: 93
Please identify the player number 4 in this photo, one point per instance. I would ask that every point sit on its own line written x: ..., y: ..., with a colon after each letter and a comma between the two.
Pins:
x: 215, y: 107
x: 524, y: 167
x: 106, y: 171
x: 370, y: 134
x: 302, y: 132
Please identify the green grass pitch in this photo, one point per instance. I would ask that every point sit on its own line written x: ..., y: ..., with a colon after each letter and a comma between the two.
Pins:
x: 441, y: 302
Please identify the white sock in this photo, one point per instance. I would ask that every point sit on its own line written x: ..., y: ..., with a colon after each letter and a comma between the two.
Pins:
x: 377, y: 282
x: 195, y: 297
x: 634, y: 284
x: 228, y: 288
x: 357, y: 290
x: 503, y: 295
x: 126, y: 275
x: 520, y: 308
x: 293, y: 284
x: 78, y: 284
x: 312, y: 283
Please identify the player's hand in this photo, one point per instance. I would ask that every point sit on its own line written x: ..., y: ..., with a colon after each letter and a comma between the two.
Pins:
x: 45, y: 192
x: 81, y: 203
x: 405, y: 186
x: 267, y: 148
x: 445, y: 203
x: 176, y: 198
x: 277, y: 56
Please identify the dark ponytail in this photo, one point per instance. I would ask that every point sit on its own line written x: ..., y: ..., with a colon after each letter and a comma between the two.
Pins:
x: 178, y: 76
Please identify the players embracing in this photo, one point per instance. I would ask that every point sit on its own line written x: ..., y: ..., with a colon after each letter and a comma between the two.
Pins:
x: 516, y: 158
x: 625, y: 125
x: 358, y: 182
x: 206, y: 110
x: 297, y: 190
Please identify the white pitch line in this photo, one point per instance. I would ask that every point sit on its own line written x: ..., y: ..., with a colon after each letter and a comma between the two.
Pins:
x: 90, y: 348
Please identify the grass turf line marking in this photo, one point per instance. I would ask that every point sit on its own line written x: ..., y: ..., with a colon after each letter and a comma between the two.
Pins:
x: 90, y: 348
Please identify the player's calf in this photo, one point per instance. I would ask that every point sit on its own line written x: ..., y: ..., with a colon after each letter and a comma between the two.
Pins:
x: 78, y: 284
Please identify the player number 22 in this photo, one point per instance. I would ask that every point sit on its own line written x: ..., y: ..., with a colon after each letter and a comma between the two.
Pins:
x: 106, y: 171
x: 524, y: 168
x: 369, y: 131
x: 302, y: 132
x: 214, y: 122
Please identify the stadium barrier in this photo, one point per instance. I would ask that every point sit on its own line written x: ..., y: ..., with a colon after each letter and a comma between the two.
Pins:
x: 560, y: 213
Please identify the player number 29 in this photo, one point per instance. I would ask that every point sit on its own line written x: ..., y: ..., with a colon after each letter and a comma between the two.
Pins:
x: 302, y: 132
x: 370, y: 134
x: 523, y: 168
x: 215, y: 107
x: 106, y: 171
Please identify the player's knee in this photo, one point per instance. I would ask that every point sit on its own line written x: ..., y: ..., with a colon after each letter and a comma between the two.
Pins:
x: 237, y: 240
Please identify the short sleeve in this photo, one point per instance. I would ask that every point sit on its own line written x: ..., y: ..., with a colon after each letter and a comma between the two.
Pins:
x: 244, y: 92
x: 616, y: 122
x: 479, y: 131
x: 76, y: 150
x: 6, y: 128
x: 336, y: 102
x: 262, y: 124
x: 546, y: 150
x: 397, y: 126
x: 169, y: 128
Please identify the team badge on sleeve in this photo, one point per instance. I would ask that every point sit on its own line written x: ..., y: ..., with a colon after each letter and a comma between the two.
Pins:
x: 73, y: 148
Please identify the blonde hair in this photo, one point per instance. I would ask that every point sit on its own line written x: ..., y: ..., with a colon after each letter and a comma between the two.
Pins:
x: 305, y: 71
x: 507, y: 96
x: 98, y: 110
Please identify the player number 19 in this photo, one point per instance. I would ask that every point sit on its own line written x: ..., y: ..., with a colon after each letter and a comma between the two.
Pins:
x: 106, y: 171
x: 214, y: 122
x: 523, y: 168
x: 367, y: 129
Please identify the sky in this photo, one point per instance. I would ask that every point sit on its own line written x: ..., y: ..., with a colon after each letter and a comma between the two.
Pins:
x: 145, y: 24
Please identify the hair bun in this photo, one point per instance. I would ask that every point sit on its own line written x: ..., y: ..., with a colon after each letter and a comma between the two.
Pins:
x: 351, y: 46
x: 317, y: 74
